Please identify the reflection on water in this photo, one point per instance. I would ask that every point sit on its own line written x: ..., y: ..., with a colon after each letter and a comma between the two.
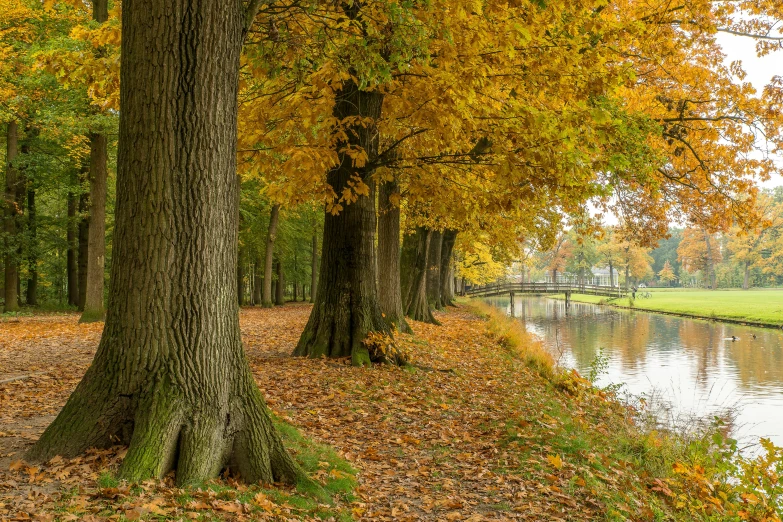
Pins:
x: 693, y: 364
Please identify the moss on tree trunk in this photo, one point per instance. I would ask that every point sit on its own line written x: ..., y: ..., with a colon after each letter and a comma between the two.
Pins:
x: 170, y: 377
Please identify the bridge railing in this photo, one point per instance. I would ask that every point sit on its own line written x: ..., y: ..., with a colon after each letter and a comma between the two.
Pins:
x: 543, y: 288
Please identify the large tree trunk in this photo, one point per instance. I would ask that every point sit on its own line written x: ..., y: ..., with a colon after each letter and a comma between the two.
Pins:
x: 433, y: 270
x: 266, y: 300
x: 84, y: 238
x: 314, y: 266
x: 389, y: 285
x: 96, y: 232
x: 72, y: 256
x: 170, y: 376
x: 447, y: 268
x: 32, y: 252
x: 10, y: 263
x: 346, y: 307
x: 280, y: 288
x: 415, y: 251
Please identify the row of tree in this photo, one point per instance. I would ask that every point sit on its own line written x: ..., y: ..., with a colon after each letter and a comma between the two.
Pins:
x: 420, y: 129
x: 692, y: 256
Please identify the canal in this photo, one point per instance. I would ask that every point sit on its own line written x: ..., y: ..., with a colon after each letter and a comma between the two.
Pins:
x: 687, y: 368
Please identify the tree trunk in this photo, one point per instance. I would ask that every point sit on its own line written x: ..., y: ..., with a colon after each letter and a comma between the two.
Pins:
x: 710, y: 275
x: 257, y: 281
x: 746, y: 276
x: 92, y: 302
x: 72, y: 257
x: 266, y: 300
x: 447, y: 267
x: 611, y: 276
x: 314, y: 266
x: 241, y: 276
x: 280, y: 288
x: 346, y: 307
x: 433, y: 270
x: 389, y: 285
x: 415, y: 251
x: 11, y: 276
x: 84, y: 231
x: 32, y: 252
x: 170, y: 376
x: 96, y: 232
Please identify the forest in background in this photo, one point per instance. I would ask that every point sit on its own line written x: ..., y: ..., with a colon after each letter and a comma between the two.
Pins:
x: 687, y: 257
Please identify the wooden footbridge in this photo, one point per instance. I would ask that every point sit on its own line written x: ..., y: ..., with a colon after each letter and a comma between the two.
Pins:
x: 497, y: 289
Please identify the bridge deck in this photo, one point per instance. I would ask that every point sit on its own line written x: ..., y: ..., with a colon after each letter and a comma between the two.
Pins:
x: 543, y: 289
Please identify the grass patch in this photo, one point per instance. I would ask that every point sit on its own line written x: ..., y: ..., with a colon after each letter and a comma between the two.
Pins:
x: 757, y: 306
x: 511, y: 335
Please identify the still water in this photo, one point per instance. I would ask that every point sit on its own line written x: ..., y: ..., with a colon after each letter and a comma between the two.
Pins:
x: 690, y: 366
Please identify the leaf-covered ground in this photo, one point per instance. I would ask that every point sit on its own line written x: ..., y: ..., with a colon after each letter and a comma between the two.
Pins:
x: 468, y: 433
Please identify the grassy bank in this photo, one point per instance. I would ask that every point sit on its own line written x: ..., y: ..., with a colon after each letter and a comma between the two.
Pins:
x: 753, y: 306
x: 481, y: 426
x: 637, y: 470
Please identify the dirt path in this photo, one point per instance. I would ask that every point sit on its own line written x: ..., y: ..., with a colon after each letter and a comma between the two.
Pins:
x: 427, y: 443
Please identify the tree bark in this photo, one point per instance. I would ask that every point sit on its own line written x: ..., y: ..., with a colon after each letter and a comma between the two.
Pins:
x: 257, y: 281
x: 314, y: 266
x: 346, y: 307
x: 84, y: 238
x: 433, y: 270
x: 32, y: 253
x: 72, y: 257
x: 241, y: 276
x: 447, y: 268
x: 415, y: 252
x: 170, y: 376
x: 266, y: 300
x: 746, y: 276
x: 92, y: 302
x: 710, y: 275
x: 10, y: 263
x: 93, y: 310
x: 280, y: 288
x: 389, y: 284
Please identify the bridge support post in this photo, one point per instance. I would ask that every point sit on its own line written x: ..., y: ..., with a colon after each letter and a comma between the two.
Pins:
x: 512, y: 304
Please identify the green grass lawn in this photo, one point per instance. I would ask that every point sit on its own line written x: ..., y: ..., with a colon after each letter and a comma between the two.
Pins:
x: 763, y: 306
